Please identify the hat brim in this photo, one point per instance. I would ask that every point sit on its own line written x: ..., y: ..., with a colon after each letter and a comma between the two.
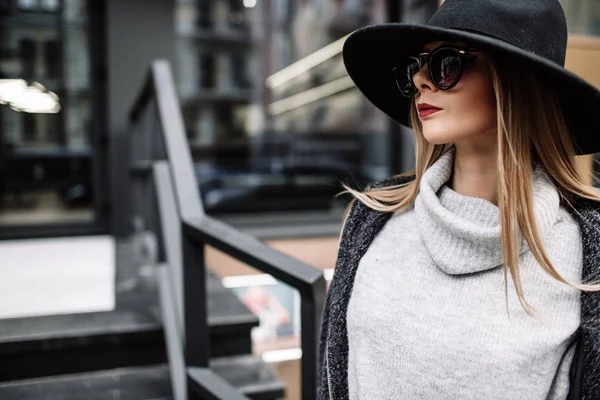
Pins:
x: 370, y: 53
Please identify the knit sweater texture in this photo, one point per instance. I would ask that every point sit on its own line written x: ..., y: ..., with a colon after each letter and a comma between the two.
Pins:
x: 427, y: 316
x: 362, y: 227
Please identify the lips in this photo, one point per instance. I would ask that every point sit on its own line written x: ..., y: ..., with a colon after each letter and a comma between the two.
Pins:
x: 426, y: 110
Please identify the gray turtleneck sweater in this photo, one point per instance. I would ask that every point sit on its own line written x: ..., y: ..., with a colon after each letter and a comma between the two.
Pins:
x: 427, y: 317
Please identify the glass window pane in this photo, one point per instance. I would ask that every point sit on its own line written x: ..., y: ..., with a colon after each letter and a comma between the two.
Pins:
x: 283, y: 146
x: 583, y: 16
x: 45, y: 113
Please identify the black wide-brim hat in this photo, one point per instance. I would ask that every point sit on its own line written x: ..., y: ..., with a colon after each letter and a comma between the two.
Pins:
x: 531, y: 32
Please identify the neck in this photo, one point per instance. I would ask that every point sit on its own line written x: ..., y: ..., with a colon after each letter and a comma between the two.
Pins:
x: 475, y: 172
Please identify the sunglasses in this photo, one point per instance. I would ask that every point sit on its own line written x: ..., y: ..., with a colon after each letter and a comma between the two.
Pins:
x: 446, y: 65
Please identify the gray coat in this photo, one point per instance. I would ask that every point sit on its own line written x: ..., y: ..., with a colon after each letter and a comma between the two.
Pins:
x: 361, y: 227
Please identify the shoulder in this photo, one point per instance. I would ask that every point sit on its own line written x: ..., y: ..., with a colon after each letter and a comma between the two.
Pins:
x: 361, y: 215
x: 392, y: 181
x: 587, y: 214
x: 357, y: 208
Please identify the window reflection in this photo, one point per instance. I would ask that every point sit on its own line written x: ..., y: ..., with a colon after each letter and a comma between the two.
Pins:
x: 583, y: 16
x: 45, y: 112
x: 260, y: 146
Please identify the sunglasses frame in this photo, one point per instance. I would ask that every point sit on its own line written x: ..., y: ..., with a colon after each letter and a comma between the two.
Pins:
x: 464, y: 54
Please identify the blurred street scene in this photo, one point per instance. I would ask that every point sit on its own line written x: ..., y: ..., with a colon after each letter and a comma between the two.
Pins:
x: 168, y: 178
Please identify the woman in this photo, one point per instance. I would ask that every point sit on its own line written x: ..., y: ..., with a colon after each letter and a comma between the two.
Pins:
x: 475, y: 276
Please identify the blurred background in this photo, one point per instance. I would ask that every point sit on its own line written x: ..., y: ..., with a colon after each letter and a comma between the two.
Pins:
x: 271, y: 126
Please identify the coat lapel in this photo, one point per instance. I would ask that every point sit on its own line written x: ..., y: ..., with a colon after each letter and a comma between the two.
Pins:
x: 362, y: 225
x: 587, y: 364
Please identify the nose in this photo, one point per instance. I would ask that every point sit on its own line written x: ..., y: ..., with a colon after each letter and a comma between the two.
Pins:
x: 422, y: 80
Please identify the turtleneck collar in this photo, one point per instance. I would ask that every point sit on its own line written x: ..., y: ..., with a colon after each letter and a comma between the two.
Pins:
x: 462, y: 233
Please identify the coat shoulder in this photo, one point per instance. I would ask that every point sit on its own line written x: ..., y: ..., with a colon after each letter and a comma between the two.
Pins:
x: 392, y: 181
x: 587, y: 212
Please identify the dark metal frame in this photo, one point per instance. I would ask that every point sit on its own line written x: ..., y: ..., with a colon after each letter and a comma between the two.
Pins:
x: 98, y: 143
x: 167, y: 202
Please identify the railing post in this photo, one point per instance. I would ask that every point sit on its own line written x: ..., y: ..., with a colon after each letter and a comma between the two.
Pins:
x: 186, y: 229
x: 194, y: 319
x: 311, y: 320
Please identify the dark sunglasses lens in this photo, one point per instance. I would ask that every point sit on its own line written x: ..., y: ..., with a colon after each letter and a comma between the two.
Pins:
x: 446, y: 67
x: 404, y: 73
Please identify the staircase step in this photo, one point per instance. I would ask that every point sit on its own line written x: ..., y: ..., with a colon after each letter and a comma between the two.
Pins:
x: 248, y: 374
x: 230, y: 321
x: 134, y: 383
x: 251, y: 375
x: 130, y: 335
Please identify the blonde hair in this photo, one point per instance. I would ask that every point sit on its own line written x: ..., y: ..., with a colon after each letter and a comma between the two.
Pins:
x: 531, y: 130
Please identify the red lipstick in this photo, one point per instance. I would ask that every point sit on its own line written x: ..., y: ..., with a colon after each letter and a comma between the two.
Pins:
x: 426, y: 110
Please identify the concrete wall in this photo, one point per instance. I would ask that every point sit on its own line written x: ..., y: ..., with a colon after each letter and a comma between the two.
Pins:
x: 138, y: 31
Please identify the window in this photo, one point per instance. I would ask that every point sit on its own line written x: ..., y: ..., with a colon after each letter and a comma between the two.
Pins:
x: 263, y: 137
x: 583, y: 16
x: 45, y: 112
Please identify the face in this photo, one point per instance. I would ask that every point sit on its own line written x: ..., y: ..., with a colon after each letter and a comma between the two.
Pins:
x: 467, y: 111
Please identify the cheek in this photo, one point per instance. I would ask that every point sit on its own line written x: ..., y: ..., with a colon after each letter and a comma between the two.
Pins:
x: 476, y: 109
x: 480, y: 97
x: 469, y: 110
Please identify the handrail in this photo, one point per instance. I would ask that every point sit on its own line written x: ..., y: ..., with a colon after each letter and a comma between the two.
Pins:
x: 250, y: 250
x: 200, y: 380
x: 194, y: 229
x: 172, y: 336
x: 169, y: 233
x: 159, y: 85
x: 308, y: 280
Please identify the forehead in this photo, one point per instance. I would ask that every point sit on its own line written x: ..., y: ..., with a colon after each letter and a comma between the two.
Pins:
x: 434, y: 45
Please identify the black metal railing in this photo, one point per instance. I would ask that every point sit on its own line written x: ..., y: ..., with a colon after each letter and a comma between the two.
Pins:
x: 167, y: 202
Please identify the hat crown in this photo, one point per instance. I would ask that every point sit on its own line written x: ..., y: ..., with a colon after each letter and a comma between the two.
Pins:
x: 537, y: 26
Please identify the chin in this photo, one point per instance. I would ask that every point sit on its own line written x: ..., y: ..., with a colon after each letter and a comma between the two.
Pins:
x: 437, y: 137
